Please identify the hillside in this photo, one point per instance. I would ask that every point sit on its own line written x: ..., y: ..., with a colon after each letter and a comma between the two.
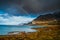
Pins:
x: 53, y: 18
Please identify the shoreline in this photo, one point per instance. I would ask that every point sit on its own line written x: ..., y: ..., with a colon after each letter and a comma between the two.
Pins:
x: 42, y: 33
x: 45, y: 26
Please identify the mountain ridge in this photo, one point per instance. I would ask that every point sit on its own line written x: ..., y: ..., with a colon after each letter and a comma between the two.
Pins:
x: 53, y: 19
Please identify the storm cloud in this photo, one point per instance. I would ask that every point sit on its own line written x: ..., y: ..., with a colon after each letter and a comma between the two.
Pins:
x: 30, y: 6
x: 41, y: 5
x: 14, y: 12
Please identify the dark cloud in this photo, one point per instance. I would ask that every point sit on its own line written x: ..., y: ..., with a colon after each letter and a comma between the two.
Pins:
x: 22, y: 7
x: 41, y: 5
x: 13, y: 7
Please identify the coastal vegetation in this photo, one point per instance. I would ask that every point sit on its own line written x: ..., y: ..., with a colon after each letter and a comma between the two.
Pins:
x: 47, y: 33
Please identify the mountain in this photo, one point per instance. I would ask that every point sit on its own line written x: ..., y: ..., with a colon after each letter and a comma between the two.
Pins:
x: 52, y: 18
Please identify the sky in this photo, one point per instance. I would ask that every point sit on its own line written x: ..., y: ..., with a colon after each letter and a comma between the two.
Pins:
x: 7, y: 19
x: 14, y: 12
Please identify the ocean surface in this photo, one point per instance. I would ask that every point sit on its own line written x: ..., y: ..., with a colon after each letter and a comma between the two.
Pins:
x: 5, y: 29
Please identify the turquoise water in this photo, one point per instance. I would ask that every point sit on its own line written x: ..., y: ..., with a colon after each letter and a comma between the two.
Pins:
x: 5, y: 29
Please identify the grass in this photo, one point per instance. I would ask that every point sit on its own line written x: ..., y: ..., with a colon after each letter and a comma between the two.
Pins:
x: 46, y: 33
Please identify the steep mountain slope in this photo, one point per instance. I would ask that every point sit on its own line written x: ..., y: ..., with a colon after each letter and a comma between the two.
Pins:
x: 48, y: 19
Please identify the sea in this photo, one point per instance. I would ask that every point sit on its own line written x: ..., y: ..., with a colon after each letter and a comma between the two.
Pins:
x: 5, y: 29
